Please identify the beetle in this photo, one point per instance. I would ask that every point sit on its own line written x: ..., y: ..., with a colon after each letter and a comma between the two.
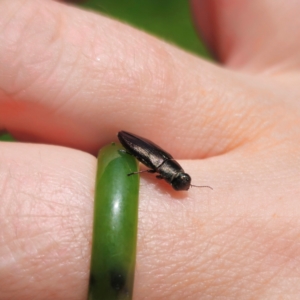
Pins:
x: 157, y: 160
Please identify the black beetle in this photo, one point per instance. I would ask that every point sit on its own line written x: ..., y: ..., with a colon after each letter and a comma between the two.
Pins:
x: 157, y: 159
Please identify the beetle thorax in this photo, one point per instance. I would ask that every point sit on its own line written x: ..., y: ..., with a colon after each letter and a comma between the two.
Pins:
x: 169, y: 170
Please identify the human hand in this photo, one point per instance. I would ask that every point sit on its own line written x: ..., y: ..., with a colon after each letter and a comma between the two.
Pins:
x: 74, y: 79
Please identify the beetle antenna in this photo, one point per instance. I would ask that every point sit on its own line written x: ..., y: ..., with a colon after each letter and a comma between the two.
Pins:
x: 202, y: 186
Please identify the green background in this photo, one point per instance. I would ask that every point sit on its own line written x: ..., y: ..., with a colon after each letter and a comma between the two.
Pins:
x: 167, y: 19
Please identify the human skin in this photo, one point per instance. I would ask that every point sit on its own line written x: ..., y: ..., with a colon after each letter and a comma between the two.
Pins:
x: 71, y: 79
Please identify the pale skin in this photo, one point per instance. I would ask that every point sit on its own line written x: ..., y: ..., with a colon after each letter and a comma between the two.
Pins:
x: 73, y: 78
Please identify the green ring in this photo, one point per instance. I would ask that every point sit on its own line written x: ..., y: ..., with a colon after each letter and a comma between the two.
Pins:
x: 115, y: 225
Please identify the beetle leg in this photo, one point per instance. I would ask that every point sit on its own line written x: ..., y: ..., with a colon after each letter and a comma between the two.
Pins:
x: 159, y: 177
x: 149, y: 171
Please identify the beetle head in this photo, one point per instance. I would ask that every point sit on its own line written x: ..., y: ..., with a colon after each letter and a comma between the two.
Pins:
x: 181, y: 182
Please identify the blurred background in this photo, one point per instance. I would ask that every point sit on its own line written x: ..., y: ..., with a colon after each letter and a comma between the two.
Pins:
x: 169, y: 20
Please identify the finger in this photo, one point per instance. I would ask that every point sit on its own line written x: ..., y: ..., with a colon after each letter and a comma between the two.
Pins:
x: 251, y: 35
x: 46, y: 210
x: 75, y: 78
x: 46, y: 219
x: 71, y: 1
